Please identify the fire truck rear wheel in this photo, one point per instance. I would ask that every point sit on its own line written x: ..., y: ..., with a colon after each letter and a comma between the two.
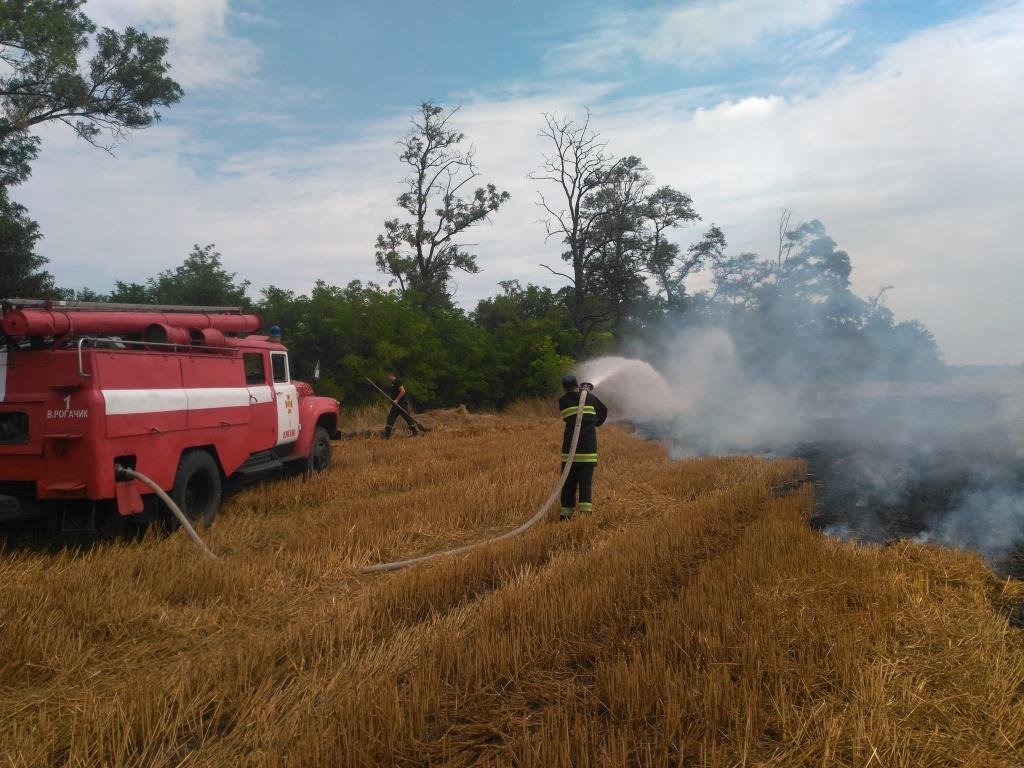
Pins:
x: 320, y: 451
x: 197, y: 487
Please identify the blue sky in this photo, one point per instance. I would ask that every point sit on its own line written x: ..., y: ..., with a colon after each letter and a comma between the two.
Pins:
x: 893, y: 122
x: 349, y: 62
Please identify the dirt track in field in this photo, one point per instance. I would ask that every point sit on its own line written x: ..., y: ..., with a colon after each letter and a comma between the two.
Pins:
x: 695, y: 618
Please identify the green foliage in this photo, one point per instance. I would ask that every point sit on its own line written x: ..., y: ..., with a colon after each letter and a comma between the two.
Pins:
x: 361, y: 331
x: 797, y: 312
x: 201, y: 280
x: 530, y: 339
x: 44, y: 78
x: 119, y: 88
x: 22, y: 275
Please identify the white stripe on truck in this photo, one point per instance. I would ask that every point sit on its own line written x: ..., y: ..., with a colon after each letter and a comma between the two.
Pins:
x: 124, y: 402
x: 3, y: 375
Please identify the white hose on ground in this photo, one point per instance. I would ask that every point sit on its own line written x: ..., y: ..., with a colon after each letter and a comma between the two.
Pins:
x: 399, y: 564
x: 166, y: 499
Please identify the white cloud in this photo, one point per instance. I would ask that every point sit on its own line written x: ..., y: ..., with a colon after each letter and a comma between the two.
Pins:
x: 914, y: 166
x: 719, y: 116
x: 256, y: 19
x: 202, y: 51
x: 697, y: 32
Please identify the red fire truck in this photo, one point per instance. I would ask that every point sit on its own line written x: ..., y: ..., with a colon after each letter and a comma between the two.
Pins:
x: 188, y: 396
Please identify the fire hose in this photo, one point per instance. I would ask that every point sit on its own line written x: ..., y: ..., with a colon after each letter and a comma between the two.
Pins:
x: 538, y: 516
x: 398, y: 564
x: 175, y: 509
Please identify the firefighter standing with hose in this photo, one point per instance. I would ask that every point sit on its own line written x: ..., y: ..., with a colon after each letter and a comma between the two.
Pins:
x: 399, y: 407
x: 581, y: 476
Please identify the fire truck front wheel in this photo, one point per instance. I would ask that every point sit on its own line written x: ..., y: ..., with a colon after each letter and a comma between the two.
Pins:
x: 320, y: 451
x: 197, y: 487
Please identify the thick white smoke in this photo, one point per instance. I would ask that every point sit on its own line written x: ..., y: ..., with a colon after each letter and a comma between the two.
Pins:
x: 983, y: 520
x: 938, y: 461
x: 702, y: 395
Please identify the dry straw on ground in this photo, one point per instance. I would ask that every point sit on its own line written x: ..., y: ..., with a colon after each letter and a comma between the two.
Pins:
x: 693, y: 619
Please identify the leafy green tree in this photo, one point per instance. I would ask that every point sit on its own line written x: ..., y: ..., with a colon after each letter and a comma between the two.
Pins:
x: 421, y: 253
x: 797, y: 312
x: 201, y: 280
x: 529, y: 338
x: 894, y: 350
x: 88, y: 294
x: 667, y: 209
x: 131, y: 293
x: 740, y: 279
x: 45, y: 78
x: 42, y: 45
x: 22, y: 275
x: 814, y: 269
x: 615, y: 279
x: 512, y: 347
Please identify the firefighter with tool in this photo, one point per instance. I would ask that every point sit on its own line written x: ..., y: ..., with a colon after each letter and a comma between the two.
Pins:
x: 581, y: 476
x: 399, y: 406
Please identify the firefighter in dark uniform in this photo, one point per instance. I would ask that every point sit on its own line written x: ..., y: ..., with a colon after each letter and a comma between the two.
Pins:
x: 399, y: 407
x: 581, y: 476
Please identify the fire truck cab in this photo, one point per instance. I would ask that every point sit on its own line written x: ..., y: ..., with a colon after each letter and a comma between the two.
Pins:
x: 188, y: 396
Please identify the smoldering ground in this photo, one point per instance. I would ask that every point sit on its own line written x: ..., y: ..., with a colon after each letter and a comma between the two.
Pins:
x: 939, y: 460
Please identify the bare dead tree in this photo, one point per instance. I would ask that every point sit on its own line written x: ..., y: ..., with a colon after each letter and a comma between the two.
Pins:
x: 876, y: 301
x: 578, y: 167
x: 786, y: 245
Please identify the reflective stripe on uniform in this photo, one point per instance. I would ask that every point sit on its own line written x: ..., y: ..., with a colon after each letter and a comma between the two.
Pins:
x: 588, y: 410
x: 586, y: 506
x: 581, y: 458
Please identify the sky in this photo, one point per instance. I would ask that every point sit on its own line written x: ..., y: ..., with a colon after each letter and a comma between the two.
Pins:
x: 898, y: 124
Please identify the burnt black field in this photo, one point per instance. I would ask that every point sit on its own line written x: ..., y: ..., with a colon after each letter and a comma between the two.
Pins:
x: 939, y: 462
x: 931, y: 490
x: 942, y: 464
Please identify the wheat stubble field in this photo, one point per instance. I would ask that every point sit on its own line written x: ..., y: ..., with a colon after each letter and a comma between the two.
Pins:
x: 694, y: 619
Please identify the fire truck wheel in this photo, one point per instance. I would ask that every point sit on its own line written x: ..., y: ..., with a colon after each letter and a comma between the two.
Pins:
x: 197, y: 487
x: 320, y: 451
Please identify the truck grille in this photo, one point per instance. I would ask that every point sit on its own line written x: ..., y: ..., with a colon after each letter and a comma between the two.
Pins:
x: 13, y: 427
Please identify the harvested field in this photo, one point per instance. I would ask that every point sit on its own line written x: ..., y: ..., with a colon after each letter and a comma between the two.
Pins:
x: 694, y: 619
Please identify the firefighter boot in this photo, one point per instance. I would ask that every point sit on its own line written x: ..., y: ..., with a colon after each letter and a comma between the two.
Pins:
x: 566, y: 513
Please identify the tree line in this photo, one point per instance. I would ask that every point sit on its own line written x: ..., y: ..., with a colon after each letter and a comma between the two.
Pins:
x: 626, y: 281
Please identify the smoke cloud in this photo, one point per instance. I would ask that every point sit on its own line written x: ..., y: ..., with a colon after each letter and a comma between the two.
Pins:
x: 937, y: 458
